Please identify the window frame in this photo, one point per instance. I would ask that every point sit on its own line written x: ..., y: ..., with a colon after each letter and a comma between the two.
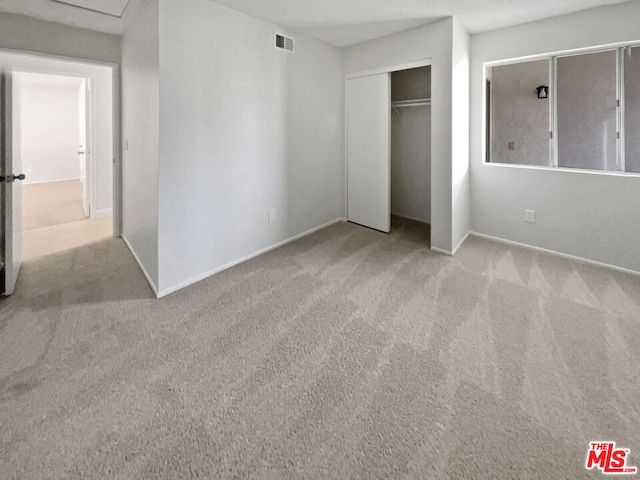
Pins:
x: 552, y: 58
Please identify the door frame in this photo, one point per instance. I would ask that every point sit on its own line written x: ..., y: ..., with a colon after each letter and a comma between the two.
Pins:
x: 425, y: 62
x: 6, y: 200
x: 86, y: 124
x: 116, y: 119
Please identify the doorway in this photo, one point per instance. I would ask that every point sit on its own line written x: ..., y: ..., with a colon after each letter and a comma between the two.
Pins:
x: 411, y: 153
x: 60, y: 149
x: 52, y: 126
x: 389, y: 151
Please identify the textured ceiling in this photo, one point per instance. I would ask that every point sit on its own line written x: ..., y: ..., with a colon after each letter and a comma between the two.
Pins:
x: 340, y: 22
x: 54, y: 11
x: 345, y: 22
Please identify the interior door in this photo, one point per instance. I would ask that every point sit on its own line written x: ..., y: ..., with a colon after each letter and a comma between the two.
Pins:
x: 83, y: 144
x: 11, y: 189
x: 369, y: 151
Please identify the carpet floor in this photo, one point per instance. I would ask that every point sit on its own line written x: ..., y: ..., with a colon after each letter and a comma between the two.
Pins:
x: 346, y: 354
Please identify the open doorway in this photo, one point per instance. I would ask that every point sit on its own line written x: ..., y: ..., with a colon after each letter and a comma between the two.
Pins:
x: 59, y: 157
x: 411, y: 154
x: 389, y: 151
x: 52, y: 127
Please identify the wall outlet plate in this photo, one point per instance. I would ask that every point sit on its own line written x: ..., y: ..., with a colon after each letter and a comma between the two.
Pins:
x: 272, y: 215
x: 530, y: 216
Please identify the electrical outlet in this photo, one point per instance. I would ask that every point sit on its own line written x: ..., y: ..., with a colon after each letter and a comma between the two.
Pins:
x: 272, y: 215
x: 512, y: 146
x: 530, y: 216
x: 126, y: 144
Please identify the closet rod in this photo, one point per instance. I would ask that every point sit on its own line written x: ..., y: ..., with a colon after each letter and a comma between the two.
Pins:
x: 411, y: 103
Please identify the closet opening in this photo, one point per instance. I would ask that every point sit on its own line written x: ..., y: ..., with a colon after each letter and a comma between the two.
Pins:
x: 411, y: 154
x: 389, y: 151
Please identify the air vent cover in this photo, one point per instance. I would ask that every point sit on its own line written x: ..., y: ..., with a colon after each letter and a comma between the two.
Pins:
x: 284, y: 43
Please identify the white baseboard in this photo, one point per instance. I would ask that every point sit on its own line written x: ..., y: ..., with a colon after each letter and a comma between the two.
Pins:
x: 27, y: 182
x: 180, y: 286
x: 557, y: 254
x: 144, y: 270
x: 456, y: 248
x: 448, y: 253
x: 105, y: 212
x: 461, y: 242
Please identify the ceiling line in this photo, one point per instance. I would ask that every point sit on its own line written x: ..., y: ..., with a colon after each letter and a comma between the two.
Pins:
x: 63, y: 2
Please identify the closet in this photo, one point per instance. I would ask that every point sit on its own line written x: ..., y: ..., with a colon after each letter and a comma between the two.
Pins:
x: 389, y: 150
x: 411, y: 148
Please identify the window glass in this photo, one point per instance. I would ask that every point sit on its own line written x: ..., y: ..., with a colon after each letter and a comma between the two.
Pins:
x: 587, y: 111
x: 632, y: 108
x: 519, y: 120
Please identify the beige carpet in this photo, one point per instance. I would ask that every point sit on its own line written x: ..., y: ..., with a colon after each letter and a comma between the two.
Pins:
x: 347, y: 354
x: 52, y: 203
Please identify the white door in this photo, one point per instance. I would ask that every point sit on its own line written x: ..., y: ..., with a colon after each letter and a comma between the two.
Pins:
x: 83, y: 144
x: 11, y: 189
x: 369, y: 151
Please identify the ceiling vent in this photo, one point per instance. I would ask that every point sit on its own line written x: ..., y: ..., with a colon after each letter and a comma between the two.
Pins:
x: 284, y: 43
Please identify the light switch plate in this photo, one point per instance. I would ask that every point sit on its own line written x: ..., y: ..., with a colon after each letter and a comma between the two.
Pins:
x: 530, y: 216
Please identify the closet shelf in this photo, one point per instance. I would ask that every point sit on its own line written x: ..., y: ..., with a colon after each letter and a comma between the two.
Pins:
x: 411, y: 103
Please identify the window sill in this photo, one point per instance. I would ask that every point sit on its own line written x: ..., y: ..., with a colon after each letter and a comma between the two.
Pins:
x: 564, y: 169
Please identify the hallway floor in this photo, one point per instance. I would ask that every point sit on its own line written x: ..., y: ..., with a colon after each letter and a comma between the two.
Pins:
x: 58, y: 238
x: 53, y: 219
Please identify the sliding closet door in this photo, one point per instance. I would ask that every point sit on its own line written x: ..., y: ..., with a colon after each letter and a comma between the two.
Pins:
x: 369, y: 157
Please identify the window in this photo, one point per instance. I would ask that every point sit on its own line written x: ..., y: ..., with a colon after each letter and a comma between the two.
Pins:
x: 519, y: 121
x: 631, y: 57
x: 579, y: 110
x: 587, y: 111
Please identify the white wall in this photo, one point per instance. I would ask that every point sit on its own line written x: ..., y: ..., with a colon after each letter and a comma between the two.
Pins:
x: 460, y: 174
x: 244, y: 128
x: 411, y: 163
x: 49, y: 130
x: 433, y: 41
x: 589, y: 215
x: 140, y: 117
x: 103, y: 102
x: 18, y: 32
